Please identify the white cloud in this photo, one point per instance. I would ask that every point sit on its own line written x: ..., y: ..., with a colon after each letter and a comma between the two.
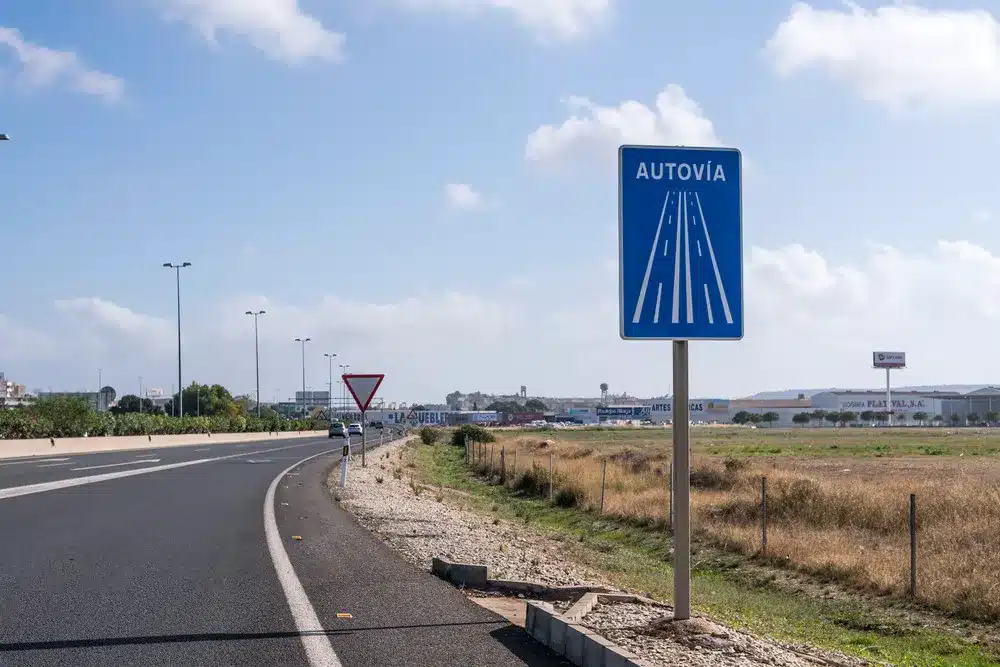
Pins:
x: 596, y: 132
x: 279, y: 28
x: 462, y: 197
x: 105, y: 324
x: 39, y: 66
x: 898, y: 55
x: 549, y: 19
x: 810, y: 322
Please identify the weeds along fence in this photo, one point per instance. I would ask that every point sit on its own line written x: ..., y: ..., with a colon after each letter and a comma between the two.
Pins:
x: 935, y: 540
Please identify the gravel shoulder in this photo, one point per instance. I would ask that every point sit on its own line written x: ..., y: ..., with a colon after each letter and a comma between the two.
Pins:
x: 422, y: 522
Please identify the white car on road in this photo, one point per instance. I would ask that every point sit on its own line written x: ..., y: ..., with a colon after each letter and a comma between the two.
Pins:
x: 354, y: 429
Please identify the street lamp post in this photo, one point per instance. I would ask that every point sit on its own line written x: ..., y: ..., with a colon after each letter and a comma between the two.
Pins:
x: 303, y: 341
x: 100, y: 385
x: 140, y: 394
x: 329, y: 390
x: 343, y: 388
x: 256, y: 352
x: 180, y: 385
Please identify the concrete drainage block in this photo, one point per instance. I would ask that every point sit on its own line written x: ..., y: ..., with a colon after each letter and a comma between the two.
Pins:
x: 561, y: 633
x: 578, y: 644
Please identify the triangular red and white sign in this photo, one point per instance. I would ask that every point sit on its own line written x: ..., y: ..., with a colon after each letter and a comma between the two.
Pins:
x: 363, y: 387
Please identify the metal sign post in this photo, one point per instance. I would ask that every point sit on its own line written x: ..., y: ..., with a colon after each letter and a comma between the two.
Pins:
x: 364, y: 436
x: 680, y: 278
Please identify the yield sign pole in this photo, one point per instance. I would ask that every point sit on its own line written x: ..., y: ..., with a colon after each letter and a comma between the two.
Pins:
x: 363, y: 387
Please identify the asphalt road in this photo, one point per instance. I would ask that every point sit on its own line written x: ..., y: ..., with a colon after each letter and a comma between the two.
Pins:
x: 183, y: 566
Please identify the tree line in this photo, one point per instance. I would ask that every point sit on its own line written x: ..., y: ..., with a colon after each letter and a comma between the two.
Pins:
x: 846, y: 417
x: 207, y: 409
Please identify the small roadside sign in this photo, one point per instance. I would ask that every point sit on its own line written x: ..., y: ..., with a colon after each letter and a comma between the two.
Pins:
x: 363, y: 387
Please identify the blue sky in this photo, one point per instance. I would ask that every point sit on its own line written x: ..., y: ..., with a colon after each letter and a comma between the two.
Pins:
x: 301, y: 161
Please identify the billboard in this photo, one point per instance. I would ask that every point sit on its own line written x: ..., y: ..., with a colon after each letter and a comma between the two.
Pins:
x: 623, y: 411
x: 889, y: 359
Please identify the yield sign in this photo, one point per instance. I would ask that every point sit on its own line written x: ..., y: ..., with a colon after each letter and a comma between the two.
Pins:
x: 363, y: 387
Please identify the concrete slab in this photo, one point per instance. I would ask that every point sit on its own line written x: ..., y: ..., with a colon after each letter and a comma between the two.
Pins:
x: 513, y: 609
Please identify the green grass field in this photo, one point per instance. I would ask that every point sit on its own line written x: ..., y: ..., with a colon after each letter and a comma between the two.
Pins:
x: 851, y: 601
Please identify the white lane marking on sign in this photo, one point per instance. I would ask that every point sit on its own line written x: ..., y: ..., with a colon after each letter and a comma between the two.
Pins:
x: 715, y: 265
x: 675, y: 316
x: 42, y: 487
x: 659, y: 294
x: 316, y: 643
x: 649, y: 264
x: 687, y: 263
x: 708, y: 304
x: 115, y: 465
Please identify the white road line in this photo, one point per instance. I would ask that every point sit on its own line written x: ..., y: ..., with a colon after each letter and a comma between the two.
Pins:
x: 715, y: 265
x: 55, y: 465
x: 708, y: 304
x: 42, y: 487
x: 659, y: 293
x: 649, y: 264
x: 115, y: 465
x: 676, y: 315
x: 687, y: 263
x: 319, y: 652
x: 34, y: 460
x: 203, y: 449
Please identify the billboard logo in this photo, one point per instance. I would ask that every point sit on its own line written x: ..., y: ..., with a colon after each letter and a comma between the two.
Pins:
x: 889, y: 359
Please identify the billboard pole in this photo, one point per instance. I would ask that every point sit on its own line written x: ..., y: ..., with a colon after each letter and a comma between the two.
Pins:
x: 681, y: 484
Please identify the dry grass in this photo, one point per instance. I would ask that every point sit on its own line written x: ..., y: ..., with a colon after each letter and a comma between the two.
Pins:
x: 843, y: 518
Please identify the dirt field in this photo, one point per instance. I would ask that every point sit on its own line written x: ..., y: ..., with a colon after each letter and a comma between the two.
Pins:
x: 838, y: 498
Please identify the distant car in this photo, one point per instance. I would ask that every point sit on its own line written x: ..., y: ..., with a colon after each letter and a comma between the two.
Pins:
x: 354, y: 429
x: 337, y: 429
x: 376, y: 425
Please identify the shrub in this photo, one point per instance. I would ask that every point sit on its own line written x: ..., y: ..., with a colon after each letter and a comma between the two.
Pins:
x: 429, y: 435
x: 473, y: 432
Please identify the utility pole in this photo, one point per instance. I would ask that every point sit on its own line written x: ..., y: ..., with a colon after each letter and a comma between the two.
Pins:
x: 140, y: 394
x: 180, y: 385
x: 303, y: 341
x: 256, y: 352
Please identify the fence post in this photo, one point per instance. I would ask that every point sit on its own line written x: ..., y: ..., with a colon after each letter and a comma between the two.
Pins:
x: 913, y: 544
x: 763, y: 515
x: 513, y: 472
x: 468, y: 453
x: 491, y: 459
x: 503, y: 466
x: 604, y: 477
x: 551, y: 481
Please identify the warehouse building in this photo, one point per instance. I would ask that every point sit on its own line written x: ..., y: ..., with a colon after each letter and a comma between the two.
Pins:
x: 983, y: 404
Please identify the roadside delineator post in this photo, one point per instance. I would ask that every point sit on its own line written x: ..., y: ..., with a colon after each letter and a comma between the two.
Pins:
x: 343, y: 464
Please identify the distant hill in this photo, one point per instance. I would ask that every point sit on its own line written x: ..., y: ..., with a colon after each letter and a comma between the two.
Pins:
x: 794, y: 393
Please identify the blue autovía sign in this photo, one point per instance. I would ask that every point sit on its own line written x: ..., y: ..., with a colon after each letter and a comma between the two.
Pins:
x: 623, y: 411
